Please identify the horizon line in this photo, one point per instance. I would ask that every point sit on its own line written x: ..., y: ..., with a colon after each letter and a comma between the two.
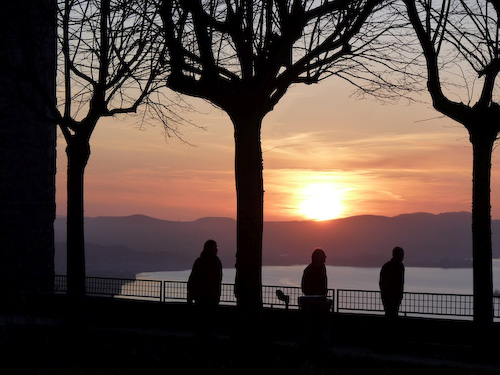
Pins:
x: 59, y: 216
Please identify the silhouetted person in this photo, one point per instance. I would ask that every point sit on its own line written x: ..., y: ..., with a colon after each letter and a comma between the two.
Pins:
x: 392, y: 279
x: 204, y: 286
x: 314, y: 279
x: 314, y: 305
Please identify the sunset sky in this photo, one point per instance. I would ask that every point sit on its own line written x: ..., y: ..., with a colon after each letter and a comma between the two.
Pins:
x: 322, y: 148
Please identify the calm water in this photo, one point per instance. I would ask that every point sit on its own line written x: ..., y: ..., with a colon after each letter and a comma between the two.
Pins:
x: 431, y: 280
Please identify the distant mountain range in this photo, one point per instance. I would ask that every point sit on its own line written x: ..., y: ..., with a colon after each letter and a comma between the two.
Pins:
x: 125, y: 246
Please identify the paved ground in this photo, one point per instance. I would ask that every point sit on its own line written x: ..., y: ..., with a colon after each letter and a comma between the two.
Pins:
x: 123, y: 338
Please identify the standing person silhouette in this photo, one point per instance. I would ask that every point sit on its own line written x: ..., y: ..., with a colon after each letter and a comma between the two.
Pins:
x: 391, y: 282
x: 204, y: 286
x: 314, y: 279
x: 314, y: 305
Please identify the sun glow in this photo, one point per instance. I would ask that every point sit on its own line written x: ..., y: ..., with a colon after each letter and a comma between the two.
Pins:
x: 321, y: 201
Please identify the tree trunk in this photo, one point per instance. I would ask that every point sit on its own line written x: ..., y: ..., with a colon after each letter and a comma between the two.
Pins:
x: 78, y: 152
x: 481, y: 228
x: 248, y: 282
x: 250, y: 197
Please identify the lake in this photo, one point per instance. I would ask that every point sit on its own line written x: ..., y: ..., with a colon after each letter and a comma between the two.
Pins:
x: 418, y: 279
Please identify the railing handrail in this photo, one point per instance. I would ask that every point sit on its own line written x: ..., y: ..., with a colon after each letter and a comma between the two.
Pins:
x: 345, y: 300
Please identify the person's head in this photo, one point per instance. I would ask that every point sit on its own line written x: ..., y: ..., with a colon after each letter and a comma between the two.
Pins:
x: 318, y: 256
x: 398, y: 254
x: 210, y: 248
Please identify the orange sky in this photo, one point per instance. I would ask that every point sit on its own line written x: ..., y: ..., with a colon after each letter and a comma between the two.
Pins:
x: 375, y: 158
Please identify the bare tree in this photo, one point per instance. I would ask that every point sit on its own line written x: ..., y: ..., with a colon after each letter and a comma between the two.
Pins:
x: 109, y: 52
x: 460, y: 42
x: 242, y: 56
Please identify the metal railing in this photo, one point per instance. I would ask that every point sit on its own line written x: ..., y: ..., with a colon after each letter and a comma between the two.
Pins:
x: 177, y: 290
x: 412, y: 304
x: 114, y: 287
x: 345, y: 300
x: 166, y: 290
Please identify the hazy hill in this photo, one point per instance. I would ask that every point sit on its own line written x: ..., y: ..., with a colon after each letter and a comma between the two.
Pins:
x: 124, y: 246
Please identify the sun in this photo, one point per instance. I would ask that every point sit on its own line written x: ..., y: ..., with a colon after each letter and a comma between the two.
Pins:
x: 321, y: 201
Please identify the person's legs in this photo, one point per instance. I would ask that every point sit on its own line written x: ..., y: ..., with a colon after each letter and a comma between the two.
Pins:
x: 391, y: 309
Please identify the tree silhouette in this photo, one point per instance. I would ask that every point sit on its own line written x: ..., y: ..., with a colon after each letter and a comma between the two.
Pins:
x: 108, y: 64
x: 242, y: 56
x: 459, y: 38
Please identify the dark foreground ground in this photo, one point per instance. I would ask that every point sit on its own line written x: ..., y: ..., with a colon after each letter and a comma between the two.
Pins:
x: 124, y: 337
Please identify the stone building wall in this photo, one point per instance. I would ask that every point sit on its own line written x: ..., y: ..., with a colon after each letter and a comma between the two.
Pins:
x: 27, y: 145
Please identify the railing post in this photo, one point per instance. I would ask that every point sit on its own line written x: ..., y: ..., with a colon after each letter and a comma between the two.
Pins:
x: 336, y: 297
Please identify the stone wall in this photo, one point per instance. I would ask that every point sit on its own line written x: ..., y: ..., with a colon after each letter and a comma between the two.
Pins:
x: 27, y: 145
